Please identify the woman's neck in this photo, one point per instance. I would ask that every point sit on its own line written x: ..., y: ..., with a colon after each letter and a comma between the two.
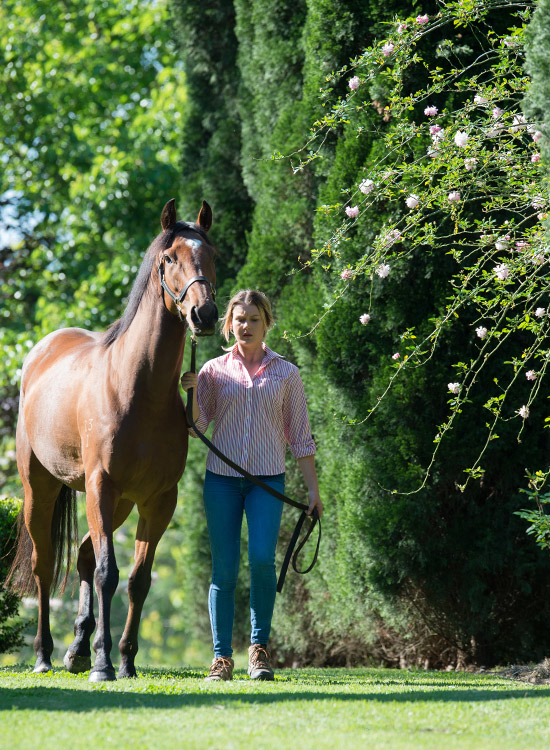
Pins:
x: 252, y: 355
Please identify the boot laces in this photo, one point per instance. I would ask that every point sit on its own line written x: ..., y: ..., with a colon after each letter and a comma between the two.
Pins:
x: 259, y: 657
x: 219, y: 665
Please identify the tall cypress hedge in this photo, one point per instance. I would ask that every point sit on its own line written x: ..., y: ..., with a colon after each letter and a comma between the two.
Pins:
x: 437, y: 577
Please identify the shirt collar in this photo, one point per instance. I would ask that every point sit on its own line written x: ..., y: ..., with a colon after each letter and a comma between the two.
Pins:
x: 269, y: 355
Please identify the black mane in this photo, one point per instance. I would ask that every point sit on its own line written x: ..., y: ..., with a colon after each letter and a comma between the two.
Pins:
x: 163, y: 241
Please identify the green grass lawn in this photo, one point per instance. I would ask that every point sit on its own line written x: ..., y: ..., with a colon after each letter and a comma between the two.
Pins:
x: 313, y: 708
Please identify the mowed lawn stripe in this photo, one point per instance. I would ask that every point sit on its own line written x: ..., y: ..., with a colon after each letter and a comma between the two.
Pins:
x: 332, y: 708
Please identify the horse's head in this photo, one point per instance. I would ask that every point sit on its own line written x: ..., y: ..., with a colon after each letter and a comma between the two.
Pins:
x: 186, y: 270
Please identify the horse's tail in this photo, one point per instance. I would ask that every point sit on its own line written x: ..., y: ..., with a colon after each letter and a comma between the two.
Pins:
x: 64, y: 539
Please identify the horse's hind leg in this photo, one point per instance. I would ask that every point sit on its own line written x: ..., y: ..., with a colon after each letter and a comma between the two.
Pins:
x: 78, y: 656
x: 154, y: 518
x: 40, y: 500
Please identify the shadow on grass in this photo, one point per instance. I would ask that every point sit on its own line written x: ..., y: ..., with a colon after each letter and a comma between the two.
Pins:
x: 44, y: 698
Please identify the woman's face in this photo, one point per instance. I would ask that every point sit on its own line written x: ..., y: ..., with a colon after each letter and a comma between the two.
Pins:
x: 247, y: 324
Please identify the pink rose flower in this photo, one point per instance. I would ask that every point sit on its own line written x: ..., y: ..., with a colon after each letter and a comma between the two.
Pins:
x: 531, y: 375
x: 354, y: 82
x: 535, y: 158
x: 461, y: 138
x: 454, y: 196
x: 481, y: 332
x: 346, y: 274
x: 395, y: 356
x: 352, y: 211
x: 387, y: 49
x: 364, y: 319
x: 524, y: 412
x: 503, y: 243
x: 501, y: 271
x: 366, y: 186
x: 422, y: 19
x: 431, y: 111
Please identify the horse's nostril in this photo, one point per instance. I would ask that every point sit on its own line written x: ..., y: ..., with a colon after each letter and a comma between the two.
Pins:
x: 205, y: 316
x: 195, y: 317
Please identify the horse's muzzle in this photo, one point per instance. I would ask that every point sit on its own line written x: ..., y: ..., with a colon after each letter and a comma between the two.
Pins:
x: 204, y: 319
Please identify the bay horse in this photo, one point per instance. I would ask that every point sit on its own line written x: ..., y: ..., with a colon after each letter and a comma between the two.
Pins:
x: 102, y: 413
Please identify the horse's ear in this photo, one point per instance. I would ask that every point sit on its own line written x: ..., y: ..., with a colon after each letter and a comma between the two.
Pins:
x: 204, y: 219
x: 168, y: 217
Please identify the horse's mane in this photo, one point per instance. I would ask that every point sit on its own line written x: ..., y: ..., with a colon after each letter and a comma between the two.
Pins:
x: 163, y: 241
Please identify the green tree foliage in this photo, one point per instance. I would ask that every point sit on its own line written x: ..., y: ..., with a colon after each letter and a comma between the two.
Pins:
x: 11, y: 626
x: 89, y: 139
x: 210, y: 159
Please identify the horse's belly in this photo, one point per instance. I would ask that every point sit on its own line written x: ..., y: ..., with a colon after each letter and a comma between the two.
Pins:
x: 54, y: 441
x: 147, y: 467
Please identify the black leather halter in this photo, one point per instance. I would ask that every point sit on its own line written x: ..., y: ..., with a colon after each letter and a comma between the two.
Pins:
x: 178, y: 298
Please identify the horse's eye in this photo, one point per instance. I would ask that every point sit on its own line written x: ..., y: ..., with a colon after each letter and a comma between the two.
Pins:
x: 168, y: 259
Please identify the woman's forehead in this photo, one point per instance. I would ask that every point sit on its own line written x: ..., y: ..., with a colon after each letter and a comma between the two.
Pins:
x: 243, y: 309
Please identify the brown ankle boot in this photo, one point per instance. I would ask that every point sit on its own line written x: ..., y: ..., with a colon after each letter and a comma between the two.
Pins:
x: 259, y: 667
x: 221, y: 668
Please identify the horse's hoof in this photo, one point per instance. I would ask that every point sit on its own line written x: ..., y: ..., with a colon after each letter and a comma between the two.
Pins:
x: 75, y: 664
x: 126, y: 672
x: 42, y: 667
x: 102, y: 675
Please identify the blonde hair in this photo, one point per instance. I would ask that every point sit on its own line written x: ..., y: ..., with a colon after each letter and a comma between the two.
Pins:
x: 248, y: 297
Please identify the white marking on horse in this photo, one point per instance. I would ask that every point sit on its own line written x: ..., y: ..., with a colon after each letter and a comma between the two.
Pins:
x: 88, y: 427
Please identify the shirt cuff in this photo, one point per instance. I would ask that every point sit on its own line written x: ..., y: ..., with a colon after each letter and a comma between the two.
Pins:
x: 301, y: 450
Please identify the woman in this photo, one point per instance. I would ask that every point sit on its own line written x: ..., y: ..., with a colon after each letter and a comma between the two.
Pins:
x: 256, y: 400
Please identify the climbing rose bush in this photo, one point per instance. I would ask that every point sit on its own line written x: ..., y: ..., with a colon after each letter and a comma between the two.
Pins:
x: 480, y: 152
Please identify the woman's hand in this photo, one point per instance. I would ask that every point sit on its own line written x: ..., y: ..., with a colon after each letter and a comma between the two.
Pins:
x: 189, y: 380
x: 307, y: 465
x: 314, y: 503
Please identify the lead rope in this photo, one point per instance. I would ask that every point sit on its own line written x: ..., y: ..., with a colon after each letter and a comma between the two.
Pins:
x: 291, y: 554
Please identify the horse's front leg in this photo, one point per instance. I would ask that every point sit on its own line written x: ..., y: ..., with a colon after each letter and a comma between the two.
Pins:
x: 101, y: 502
x: 78, y: 656
x: 154, y: 517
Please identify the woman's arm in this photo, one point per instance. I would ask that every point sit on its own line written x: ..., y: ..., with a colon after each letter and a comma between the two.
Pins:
x: 307, y: 466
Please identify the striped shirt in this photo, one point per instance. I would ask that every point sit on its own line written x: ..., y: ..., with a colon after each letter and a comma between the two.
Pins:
x: 254, y: 418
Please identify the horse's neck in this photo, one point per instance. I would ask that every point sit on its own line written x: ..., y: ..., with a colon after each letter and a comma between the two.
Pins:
x: 149, y: 355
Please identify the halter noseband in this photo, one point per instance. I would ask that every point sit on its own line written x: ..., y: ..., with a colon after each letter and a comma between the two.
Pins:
x: 178, y: 298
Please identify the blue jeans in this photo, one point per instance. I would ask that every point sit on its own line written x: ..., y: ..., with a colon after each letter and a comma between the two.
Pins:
x: 225, y: 499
